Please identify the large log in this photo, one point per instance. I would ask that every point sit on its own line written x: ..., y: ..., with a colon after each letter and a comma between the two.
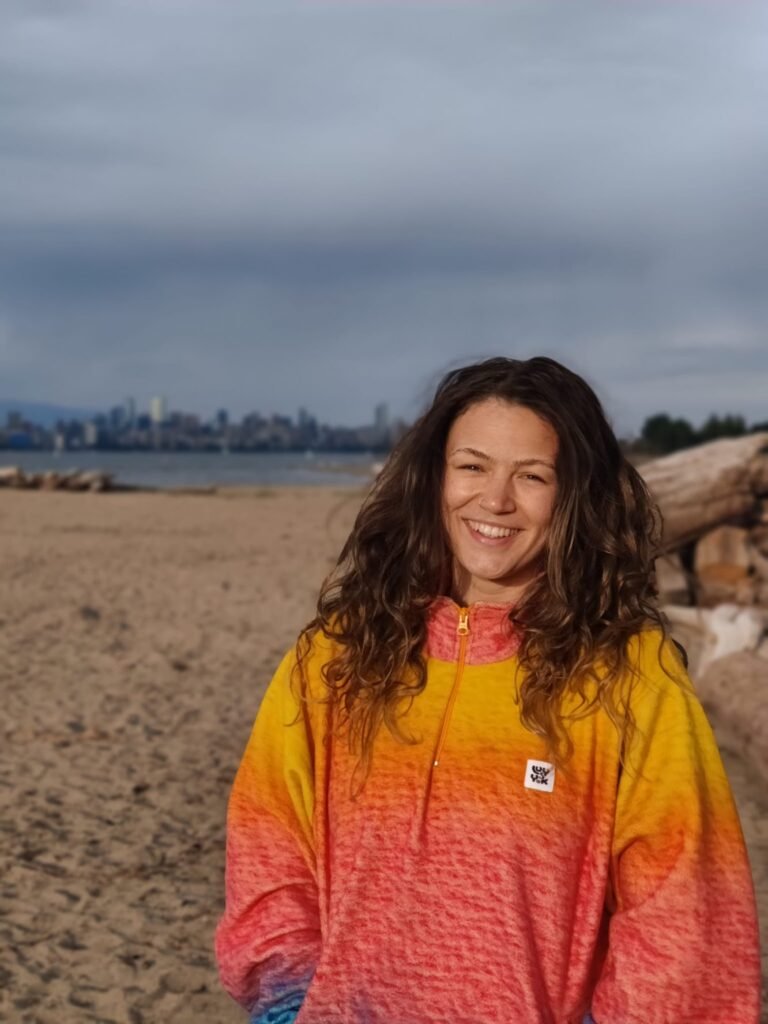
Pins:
x: 701, y: 487
x: 12, y: 476
x: 733, y: 690
x: 709, y: 634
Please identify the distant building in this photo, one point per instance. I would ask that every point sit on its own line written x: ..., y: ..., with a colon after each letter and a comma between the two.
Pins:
x: 158, y: 414
x: 307, y: 429
x: 19, y: 439
x: 90, y: 434
x: 158, y: 411
x: 117, y: 418
x: 381, y: 418
x: 188, y: 422
x: 130, y: 412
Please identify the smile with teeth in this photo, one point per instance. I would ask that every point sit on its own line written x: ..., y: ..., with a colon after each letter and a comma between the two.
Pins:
x: 491, y: 531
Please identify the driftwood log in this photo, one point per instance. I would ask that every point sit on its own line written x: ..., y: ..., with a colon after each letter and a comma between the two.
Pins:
x: 733, y: 690
x: 699, y: 488
x: 68, y: 480
x: 710, y: 634
x: 713, y: 500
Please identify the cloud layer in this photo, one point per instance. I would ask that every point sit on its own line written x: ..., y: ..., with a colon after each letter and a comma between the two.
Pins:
x: 263, y: 206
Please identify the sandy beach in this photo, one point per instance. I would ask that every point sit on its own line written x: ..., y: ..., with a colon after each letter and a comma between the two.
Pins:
x: 137, y: 633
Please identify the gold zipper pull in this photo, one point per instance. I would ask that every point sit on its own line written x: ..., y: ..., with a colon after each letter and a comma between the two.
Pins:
x: 463, y: 631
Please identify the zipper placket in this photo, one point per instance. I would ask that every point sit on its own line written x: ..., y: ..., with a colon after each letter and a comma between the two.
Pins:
x: 462, y: 631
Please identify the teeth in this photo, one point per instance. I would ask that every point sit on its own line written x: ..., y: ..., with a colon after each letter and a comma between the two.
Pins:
x: 491, y: 531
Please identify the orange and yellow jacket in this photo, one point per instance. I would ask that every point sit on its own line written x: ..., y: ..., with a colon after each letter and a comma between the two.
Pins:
x: 471, y: 882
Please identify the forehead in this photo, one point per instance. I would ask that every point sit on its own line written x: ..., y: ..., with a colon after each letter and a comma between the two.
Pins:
x: 503, y: 430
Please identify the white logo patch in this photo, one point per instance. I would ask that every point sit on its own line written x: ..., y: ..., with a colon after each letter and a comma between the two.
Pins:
x: 540, y: 775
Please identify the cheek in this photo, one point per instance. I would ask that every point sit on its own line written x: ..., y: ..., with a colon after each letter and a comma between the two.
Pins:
x: 545, y: 514
x: 455, y: 493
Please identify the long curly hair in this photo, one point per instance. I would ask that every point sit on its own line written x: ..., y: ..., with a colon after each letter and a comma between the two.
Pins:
x: 575, y: 619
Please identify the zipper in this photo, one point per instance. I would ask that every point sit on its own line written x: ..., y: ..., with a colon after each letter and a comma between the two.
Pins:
x: 462, y: 631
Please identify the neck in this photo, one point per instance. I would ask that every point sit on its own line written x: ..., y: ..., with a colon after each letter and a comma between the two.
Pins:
x: 468, y: 590
x: 466, y: 596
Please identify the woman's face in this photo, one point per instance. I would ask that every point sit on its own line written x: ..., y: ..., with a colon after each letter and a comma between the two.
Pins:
x: 499, y: 491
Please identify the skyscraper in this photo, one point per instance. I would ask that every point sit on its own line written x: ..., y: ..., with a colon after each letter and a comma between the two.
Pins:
x: 158, y: 411
x: 130, y: 412
x: 381, y: 418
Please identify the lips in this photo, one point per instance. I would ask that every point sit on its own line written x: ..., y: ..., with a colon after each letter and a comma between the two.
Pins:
x: 486, y: 533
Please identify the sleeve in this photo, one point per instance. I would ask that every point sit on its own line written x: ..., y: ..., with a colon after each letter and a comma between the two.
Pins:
x: 268, y: 939
x: 683, y: 940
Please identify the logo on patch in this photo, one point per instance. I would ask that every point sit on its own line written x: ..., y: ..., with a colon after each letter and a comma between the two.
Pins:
x: 540, y: 775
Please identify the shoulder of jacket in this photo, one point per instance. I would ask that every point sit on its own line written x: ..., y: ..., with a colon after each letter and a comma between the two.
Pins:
x: 303, y: 663
x: 656, y: 667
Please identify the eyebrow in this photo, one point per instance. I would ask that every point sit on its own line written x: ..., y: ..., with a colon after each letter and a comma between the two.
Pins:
x: 519, y: 462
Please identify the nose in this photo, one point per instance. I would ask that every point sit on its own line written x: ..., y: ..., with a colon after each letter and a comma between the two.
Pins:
x: 498, y: 495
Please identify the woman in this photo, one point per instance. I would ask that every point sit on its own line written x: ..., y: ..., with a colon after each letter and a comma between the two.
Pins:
x: 481, y: 788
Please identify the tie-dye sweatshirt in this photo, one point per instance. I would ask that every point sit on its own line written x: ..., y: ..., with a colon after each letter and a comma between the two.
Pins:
x: 473, y: 883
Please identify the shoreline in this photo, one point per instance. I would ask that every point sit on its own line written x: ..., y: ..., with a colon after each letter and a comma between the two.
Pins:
x: 14, y: 477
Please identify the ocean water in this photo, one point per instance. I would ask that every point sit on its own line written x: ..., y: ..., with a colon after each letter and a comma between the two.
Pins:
x: 197, y: 469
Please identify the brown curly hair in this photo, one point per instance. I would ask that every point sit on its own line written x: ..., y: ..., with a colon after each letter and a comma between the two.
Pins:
x: 575, y: 620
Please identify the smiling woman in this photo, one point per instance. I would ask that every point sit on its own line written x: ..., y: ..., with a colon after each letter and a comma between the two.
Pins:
x: 481, y: 786
x: 498, y: 497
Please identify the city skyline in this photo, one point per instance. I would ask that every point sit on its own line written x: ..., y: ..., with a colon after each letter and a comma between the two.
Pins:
x: 125, y: 427
x: 50, y: 412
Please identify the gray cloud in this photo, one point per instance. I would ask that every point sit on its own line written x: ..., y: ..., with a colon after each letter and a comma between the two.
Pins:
x: 265, y: 206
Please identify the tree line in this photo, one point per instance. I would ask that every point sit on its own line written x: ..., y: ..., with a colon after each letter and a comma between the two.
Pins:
x: 662, y: 434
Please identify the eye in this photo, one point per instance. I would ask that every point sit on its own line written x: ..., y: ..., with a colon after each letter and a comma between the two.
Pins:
x: 534, y: 476
x: 471, y: 466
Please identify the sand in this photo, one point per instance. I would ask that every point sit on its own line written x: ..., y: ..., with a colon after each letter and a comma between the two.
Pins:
x: 137, y: 632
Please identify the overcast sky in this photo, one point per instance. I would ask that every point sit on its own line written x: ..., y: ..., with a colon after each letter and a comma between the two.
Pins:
x: 259, y: 206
